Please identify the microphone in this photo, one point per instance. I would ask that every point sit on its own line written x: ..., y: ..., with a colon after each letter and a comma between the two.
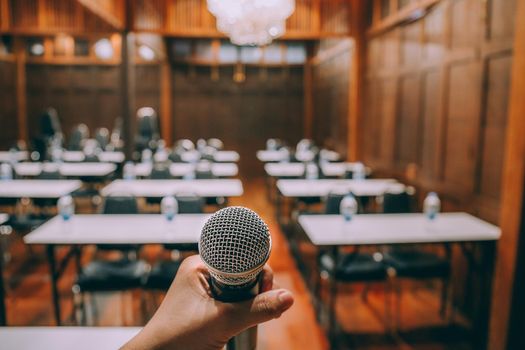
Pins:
x: 235, y: 244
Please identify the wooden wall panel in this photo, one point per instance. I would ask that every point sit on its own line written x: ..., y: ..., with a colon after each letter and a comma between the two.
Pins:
x: 331, y: 83
x: 267, y: 104
x: 148, y: 87
x: 438, y: 82
x: 462, y: 126
x: 430, y: 125
x: 440, y: 87
x: 81, y: 94
x: 9, y: 133
x: 495, y: 125
x: 408, y: 125
x: 45, y: 16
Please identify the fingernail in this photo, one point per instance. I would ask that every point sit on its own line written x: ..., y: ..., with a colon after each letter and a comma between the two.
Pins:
x: 285, y: 298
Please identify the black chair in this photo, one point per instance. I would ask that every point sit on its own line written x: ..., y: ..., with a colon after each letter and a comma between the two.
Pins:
x: 163, y: 273
x: 158, y: 172
x: 147, y: 129
x: 102, y: 137
x: 101, y: 275
x: 413, y: 262
x: 357, y: 266
x: 79, y: 134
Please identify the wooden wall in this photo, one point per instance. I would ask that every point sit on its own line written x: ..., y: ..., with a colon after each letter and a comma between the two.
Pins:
x: 269, y: 103
x: 436, y: 104
x: 331, y: 83
x: 191, y: 18
x: 87, y: 94
x: 9, y: 133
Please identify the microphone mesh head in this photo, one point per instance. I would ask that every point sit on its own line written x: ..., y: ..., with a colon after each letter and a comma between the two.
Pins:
x: 235, y: 244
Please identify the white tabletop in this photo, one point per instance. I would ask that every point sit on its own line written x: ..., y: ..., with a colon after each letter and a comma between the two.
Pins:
x: 106, y: 156
x: 119, y: 229
x: 66, y: 169
x: 161, y: 188
x: 65, y: 338
x: 37, y: 188
x: 368, y: 229
x: 284, y: 169
x: 5, y: 156
x: 331, y: 156
x: 272, y: 155
x: 3, y: 218
x: 339, y: 169
x: 226, y: 156
x: 181, y: 169
x: 322, y: 187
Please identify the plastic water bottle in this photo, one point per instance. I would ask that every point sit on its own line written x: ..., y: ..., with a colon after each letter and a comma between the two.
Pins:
x: 128, y: 172
x: 169, y: 207
x: 312, y: 171
x: 431, y: 205
x: 66, y: 207
x: 201, y: 145
x: 190, y: 175
x: 13, y: 156
x: 147, y: 156
x: 6, y: 171
x: 359, y: 171
x: 56, y: 155
x: 348, y: 207
x: 271, y: 145
x: 162, y: 154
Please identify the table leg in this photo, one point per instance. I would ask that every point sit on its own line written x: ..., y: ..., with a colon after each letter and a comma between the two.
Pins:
x: 3, y: 317
x: 482, y: 316
x: 332, y: 322
x: 54, y: 282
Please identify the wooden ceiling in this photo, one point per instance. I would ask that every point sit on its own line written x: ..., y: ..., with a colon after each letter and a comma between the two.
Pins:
x: 312, y: 19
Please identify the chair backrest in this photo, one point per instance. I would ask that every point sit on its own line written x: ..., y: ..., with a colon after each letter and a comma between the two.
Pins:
x: 91, y: 158
x: 396, y: 203
x: 216, y: 143
x: 332, y: 202
x: 79, y: 133
x: 49, y: 123
x: 160, y: 172
x: 190, y: 204
x: 120, y: 205
x: 49, y: 175
x: 102, y: 137
x: 204, y: 174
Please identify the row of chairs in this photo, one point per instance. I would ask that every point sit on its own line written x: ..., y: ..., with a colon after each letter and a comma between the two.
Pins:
x: 129, y: 272
x: 388, y: 265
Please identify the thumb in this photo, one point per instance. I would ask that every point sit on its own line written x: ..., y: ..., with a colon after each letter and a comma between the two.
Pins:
x: 264, y: 307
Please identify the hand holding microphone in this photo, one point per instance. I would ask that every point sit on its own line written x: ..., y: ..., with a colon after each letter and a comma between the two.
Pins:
x: 192, y: 315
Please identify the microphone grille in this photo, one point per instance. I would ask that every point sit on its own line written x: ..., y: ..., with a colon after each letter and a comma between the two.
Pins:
x: 235, y: 244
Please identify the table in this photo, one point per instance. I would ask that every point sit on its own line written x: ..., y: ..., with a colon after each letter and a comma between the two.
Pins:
x: 110, y: 229
x: 321, y: 187
x: 3, y: 319
x: 284, y: 169
x: 331, y: 232
x: 181, y: 169
x: 226, y: 156
x: 66, y: 169
x: 37, y: 188
x: 339, y: 169
x: 66, y: 338
x: 106, y: 156
x: 5, y: 156
x: 267, y: 156
x: 161, y: 188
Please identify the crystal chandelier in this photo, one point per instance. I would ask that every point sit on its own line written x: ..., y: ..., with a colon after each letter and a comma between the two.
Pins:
x: 252, y: 22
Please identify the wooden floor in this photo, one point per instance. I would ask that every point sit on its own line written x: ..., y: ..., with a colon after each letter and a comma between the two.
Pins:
x: 362, y: 327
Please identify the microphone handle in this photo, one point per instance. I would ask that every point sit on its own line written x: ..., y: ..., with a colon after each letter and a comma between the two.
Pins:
x: 246, y: 340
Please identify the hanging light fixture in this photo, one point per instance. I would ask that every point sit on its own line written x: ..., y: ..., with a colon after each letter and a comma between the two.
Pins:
x: 252, y: 22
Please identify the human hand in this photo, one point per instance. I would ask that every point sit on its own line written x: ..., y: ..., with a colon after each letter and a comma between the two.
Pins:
x: 190, y: 318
